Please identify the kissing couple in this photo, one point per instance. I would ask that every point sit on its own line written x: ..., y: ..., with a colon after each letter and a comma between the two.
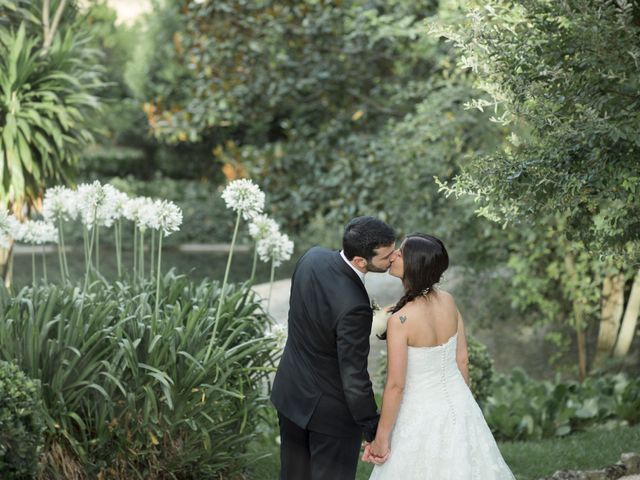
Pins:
x: 430, y: 427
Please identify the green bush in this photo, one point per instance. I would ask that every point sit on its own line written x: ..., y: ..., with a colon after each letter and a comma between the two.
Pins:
x: 521, y: 408
x: 21, y: 427
x: 129, y: 395
x: 628, y: 404
x: 480, y: 369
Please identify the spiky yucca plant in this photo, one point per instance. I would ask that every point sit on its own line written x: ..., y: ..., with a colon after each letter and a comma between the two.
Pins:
x: 45, y: 98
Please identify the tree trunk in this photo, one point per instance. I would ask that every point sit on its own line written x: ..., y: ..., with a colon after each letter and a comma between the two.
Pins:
x: 580, y: 326
x: 612, y: 310
x: 630, y: 320
x: 582, y: 353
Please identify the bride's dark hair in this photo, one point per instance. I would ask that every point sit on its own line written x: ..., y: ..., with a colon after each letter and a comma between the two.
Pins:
x: 425, y: 259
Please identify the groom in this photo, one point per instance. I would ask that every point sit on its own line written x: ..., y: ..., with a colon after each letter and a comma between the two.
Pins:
x: 322, y: 389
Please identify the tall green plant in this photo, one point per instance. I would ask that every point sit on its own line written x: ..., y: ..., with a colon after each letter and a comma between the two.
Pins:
x: 125, y: 401
x: 44, y: 103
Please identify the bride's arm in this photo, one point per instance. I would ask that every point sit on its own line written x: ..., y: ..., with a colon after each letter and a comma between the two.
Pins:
x: 394, y: 388
x: 462, y: 355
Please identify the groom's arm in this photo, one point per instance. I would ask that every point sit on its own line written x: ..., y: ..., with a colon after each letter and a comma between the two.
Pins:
x: 352, y: 332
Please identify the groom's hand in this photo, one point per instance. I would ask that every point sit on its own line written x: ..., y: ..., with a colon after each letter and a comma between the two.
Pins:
x: 375, y: 458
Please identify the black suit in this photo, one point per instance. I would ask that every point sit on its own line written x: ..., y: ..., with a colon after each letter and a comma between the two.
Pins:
x: 322, y: 389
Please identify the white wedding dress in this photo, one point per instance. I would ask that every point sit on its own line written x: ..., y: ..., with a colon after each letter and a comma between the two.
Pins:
x: 440, y: 432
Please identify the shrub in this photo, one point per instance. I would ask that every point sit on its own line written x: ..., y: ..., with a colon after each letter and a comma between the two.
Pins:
x: 480, y: 369
x: 128, y: 395
x: 521, y: 408
x: 21, y: 427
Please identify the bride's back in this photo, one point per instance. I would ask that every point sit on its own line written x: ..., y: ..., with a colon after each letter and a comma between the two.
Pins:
x: 434, y: 319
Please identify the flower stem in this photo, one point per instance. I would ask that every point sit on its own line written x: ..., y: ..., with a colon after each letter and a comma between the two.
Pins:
x: 86, y: 273
x: 158, y: 279
x: 60, y: 246
x: 255, y: 262
x: 33, y: 267
x: 98, y: 248
x: 224, y: 284
x: 64, y: 252
x: 153, y: 251
x: 44, y: 264
x: 273, y: 271
x: 135, y: 252
x: 85, y: 238
x: 141, y: 259
x: 117, y: 231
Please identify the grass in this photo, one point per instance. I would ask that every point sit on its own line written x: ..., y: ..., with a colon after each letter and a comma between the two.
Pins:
x: 528, y: 460
x: 583, y: 451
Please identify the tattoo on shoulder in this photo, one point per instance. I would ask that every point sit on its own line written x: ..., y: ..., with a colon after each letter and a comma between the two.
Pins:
x: 403, y: 318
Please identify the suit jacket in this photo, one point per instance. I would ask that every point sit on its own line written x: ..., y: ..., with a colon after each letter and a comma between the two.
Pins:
x: 322, y: 383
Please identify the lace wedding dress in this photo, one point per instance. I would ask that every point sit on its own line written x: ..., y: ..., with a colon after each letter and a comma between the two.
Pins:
x: 440, y: 432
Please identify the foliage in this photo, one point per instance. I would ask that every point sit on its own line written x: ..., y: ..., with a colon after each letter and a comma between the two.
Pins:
x: 125, y: 397
x: 21, y: 427
x: 480, y: 369
x: 47, y: 93
x: 521, y: 408
x: 328, y: 106
x: 564, y: 76
x: 142, y: 61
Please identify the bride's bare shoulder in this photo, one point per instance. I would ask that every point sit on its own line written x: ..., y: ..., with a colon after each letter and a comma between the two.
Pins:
x: 444, y: 296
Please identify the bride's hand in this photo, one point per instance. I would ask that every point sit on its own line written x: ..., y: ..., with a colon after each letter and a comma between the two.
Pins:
x: 378, y: 451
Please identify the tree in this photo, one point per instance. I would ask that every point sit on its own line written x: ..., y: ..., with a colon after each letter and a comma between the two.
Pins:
x: 563, y: 76
x: 326, y: 105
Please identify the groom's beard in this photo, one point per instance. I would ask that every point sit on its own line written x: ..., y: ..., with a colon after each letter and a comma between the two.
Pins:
x: 373, y: 269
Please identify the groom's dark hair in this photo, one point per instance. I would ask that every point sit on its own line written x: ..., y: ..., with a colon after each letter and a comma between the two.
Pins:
x: 363, y: 235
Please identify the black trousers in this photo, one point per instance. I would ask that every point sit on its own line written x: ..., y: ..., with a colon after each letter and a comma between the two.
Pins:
x: 308, y: 455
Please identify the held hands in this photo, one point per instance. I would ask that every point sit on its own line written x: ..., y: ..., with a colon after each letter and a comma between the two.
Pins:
x: 376, y: 452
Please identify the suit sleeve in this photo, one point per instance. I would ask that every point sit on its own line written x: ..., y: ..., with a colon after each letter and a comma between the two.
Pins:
x: 352, y: 332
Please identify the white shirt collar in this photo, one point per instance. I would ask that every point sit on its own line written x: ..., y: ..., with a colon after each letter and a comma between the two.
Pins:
x: 360, y: 274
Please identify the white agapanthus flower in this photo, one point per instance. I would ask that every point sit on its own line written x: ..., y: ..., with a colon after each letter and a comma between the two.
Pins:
x: 14, y: 228
x: 36, y: 232
x: 92, y: 200
x: 168, y: 216
x: 60, y: 203
x: 262, y: 226
x: 279, y: 333
x: 5, y: 229
x: 5, y: 224
x: 116, y: 200
x: 245, y: 196
x: 142, y: 212
x: 276, y: 248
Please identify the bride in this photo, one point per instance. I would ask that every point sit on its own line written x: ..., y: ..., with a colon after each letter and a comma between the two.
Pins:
x: 430, y: 427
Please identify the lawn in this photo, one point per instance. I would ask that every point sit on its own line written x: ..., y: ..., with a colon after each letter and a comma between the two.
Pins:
x: 528, y: 460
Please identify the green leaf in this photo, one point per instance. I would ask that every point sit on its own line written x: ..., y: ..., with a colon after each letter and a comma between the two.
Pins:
x: 25, y: 153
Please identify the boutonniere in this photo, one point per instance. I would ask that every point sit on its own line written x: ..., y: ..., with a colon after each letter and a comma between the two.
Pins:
x: 374, y: 305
